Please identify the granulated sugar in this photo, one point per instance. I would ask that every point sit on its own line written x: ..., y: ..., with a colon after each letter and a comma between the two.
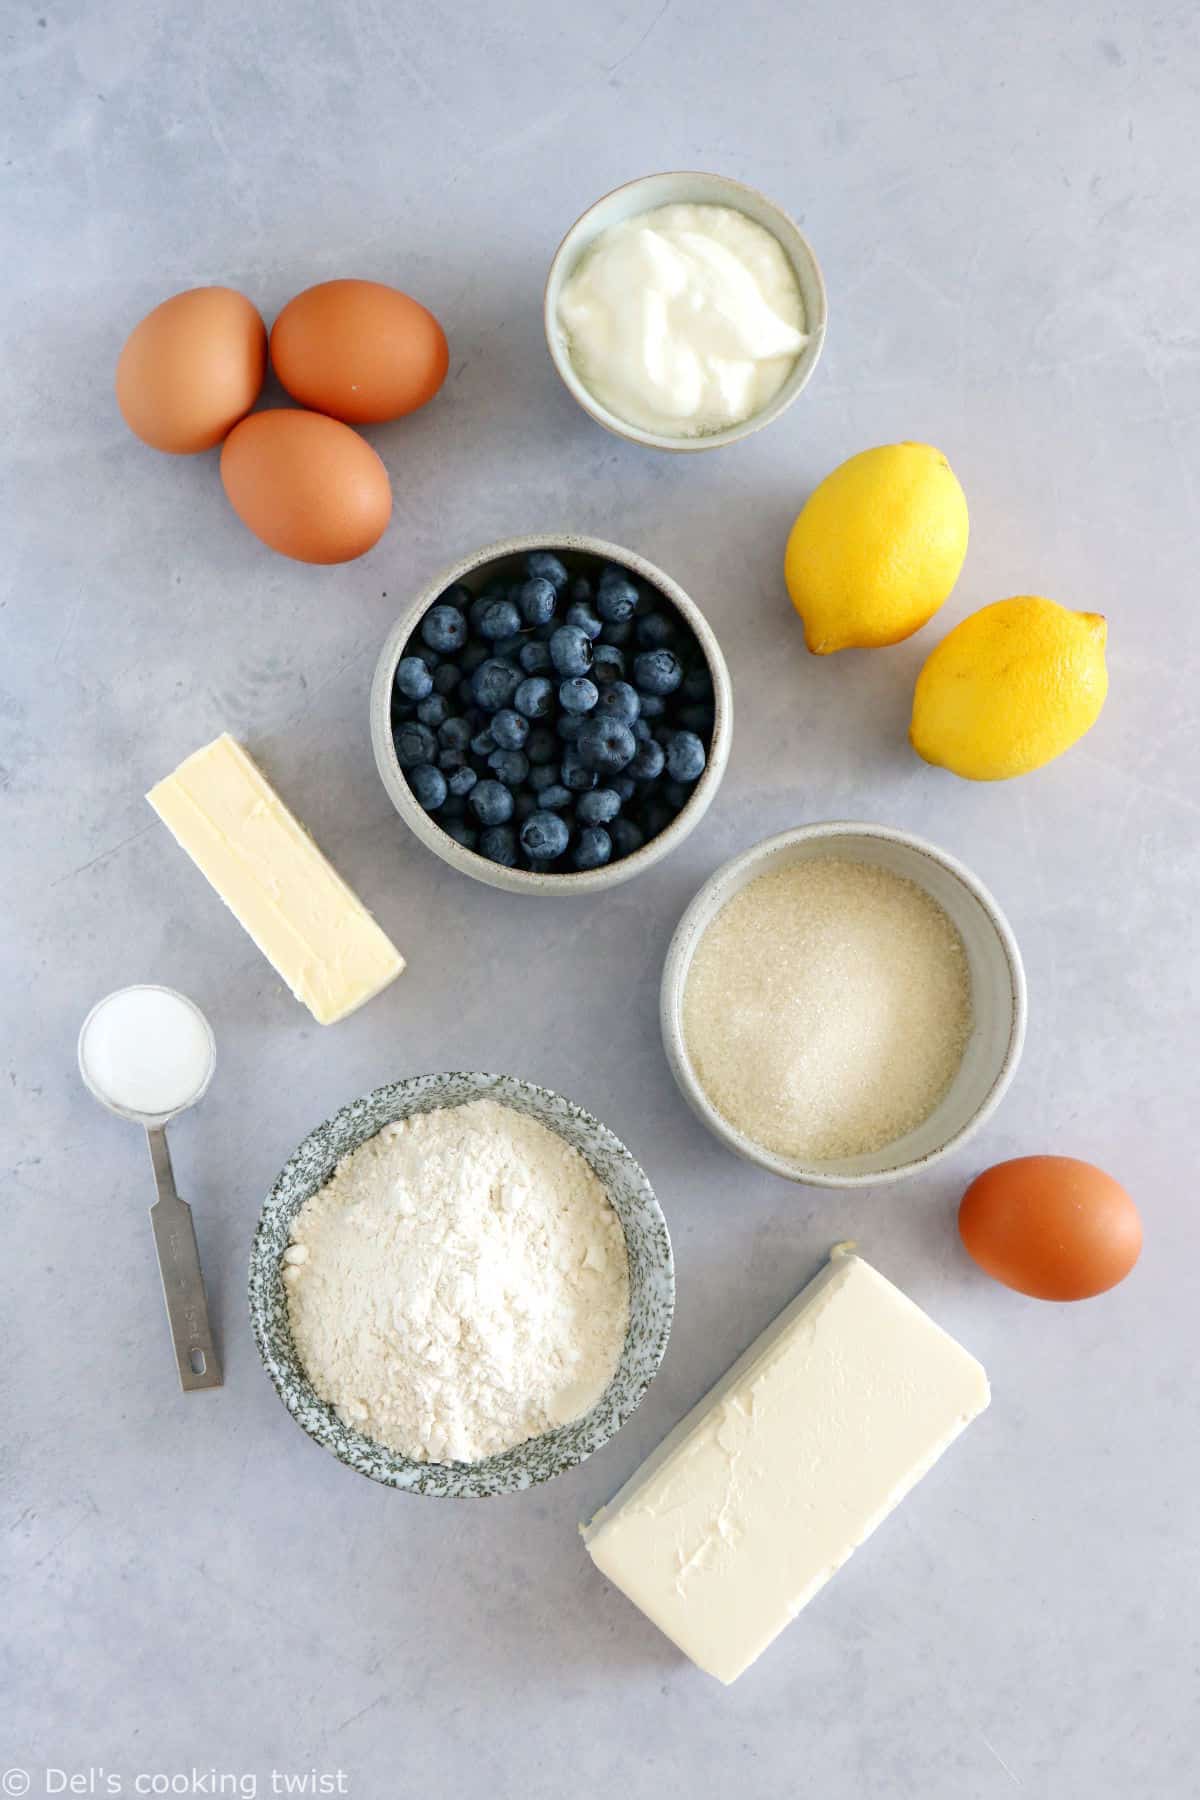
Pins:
x: 827, y: 1008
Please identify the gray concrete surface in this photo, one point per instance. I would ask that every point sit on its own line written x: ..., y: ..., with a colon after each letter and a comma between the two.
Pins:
x: 1004, y: 207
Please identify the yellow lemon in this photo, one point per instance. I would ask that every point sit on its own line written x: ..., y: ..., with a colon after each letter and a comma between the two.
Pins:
x: 877, y: 548
x: 1011, y: 688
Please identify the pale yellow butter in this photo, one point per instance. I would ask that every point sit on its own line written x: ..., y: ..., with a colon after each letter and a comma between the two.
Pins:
x: 309, y: 925
x: 763, y: 1491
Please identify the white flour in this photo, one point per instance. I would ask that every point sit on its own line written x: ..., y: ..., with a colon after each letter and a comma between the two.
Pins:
x: 459, y: 1285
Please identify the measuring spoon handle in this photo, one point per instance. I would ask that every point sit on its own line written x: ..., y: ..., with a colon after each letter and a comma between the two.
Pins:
x: 182, y: 1278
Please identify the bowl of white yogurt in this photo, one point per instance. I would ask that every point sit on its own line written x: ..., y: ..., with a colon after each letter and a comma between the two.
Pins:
x: 685, y: 311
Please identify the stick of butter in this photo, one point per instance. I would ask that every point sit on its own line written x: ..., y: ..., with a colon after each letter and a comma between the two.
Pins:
x: 318, y: 935
x: 763, y: 1491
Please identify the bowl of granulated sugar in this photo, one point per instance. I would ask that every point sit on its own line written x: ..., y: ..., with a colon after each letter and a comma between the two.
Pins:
x: 843, y: 1004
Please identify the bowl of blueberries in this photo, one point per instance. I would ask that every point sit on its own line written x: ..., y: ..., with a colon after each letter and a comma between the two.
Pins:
x: 552, y: 715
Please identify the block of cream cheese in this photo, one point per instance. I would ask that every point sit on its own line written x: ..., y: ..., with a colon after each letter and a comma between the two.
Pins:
x: 318, y: 935
x: 762, y: 1492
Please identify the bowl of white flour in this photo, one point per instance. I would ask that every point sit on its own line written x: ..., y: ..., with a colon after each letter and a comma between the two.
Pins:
x: 461, y: 1284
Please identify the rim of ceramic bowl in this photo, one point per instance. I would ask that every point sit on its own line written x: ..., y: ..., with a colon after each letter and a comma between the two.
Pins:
x: 791, y: 389
x: 530, y: 881
x: 728, y: 880
x: 651, y: 1285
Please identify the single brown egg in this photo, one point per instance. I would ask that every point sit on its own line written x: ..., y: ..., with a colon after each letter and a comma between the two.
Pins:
x: 306, y: 485
x: 359, y: 351
x: 192, y: 369
x: 1051, y: 1226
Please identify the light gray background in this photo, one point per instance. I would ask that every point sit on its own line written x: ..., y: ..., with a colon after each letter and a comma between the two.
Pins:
x: 1005, y: 214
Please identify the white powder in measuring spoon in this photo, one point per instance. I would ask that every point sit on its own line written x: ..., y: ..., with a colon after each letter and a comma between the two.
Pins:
x: 460, y: 1285
x: 147, y: 1051
x: 827, y: 1008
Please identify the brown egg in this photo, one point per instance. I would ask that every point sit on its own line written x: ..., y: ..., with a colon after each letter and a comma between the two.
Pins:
x: 192, y: 369
x: 359, y: 351
x: 305, y: 485
x: 1051, y: 1226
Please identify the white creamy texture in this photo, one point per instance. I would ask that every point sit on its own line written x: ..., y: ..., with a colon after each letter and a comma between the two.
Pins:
x: 765, y: 1489
x: 460, y: 1285
x: 684, y: 320
x: 147, y: 1050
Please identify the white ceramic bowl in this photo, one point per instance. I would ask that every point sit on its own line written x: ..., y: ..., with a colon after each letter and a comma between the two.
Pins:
x: 997, y: 992
x: 690, y: 188
x: 475, y: 571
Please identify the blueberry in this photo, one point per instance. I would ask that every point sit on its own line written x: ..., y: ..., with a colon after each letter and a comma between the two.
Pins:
x: 624, y: 787
x: 413, y: 679
x: 626, y: 837
x: 449, y: 760
x: 647, y: 764
x: 605, y: 745
x: 696, y: 684
x: 461, y: 832
x: 579, y: 613
x: 472, y: 657
x: 545, y: 565
x: 697, y: 718
x: 534, y: 657
x: 656, y: 631
x: 458, y: 596
x: 494, y: 683
x: 598, y: 807
x: 499, y: 844
x: 535, y: 696
x: 482, y: 744
x: 446, y: 678
x: 428, y: 784
x: 509, y: 728
x: 641, y: 730
x: 567, y: 726
x: 461, y: 781
x: 510, y: 766
x: 491, y: 803
x: 552, y: 798
x: 577, y: 694
x: 685, y: 757
x: 543, y: 775
x: 619, y: 701
x: 544, y: 836
x: 433, y: 711
x: 608, y: 664
x: 657, y: 671
x: 655, y: 818
x: 453, y: 807
x: 415, y: 744
x: 619, y: 634
x: 538, y: 600
x: 444, y: 628
x: 616, y: 597
x: 653, y: 706
x: 541, y: 746
x: 500, y: 619
x: 524, y: 803
x: 579, y: 592
x: 455, y: 734
x: 509, y: 648
x: 594, y: 848
x: 577, y: 774
x: 479, y: 607
x: 571, y: 650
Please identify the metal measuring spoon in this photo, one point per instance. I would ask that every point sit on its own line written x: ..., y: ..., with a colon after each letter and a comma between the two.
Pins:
x: 174, y: 1090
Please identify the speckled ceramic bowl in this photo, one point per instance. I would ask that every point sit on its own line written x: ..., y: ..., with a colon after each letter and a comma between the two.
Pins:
x: 998, y: 1000
x: 693, y: 188
x: 475, y: 571
x: 651, y: 1285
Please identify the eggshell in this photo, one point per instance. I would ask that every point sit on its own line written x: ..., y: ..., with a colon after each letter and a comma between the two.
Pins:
x: 192, y: 369
x: 1051, y: 1226
x: 359, y: 351
x: 306, y: 485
